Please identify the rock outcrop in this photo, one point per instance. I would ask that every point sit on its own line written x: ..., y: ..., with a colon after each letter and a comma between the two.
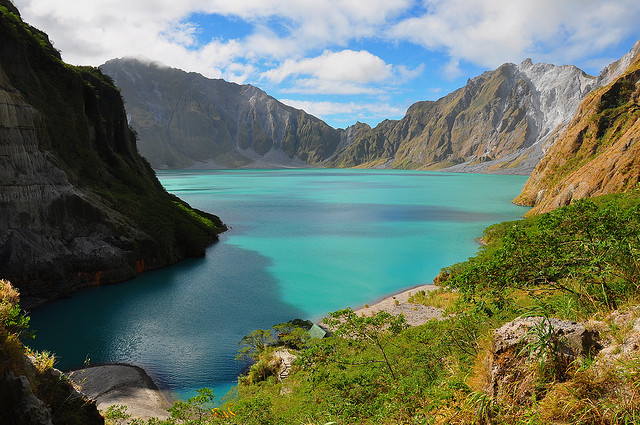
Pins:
x: 186, y: 120
x: 568, y: 355
x: 599, y: 152
x: 79, y: 205
x: 122, y: 385
x: 523, y: 341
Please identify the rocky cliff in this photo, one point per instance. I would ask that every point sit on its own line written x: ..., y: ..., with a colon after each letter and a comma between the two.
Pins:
x: 499, y: 122
x: 184, y: 120
x: 599, y: 152
x: 79, y: 205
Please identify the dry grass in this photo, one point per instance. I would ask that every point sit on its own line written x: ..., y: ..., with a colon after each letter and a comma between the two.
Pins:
x: 439, y: 298
x: 603, y: 393
x: 9, y: 297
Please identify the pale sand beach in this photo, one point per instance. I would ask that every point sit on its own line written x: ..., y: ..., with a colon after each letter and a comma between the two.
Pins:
x: 126, y: 385
x: 415, y: 314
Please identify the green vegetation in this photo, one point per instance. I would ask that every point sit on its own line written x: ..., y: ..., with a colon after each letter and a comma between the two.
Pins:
x: 585, y: 255
x: 578, y: 262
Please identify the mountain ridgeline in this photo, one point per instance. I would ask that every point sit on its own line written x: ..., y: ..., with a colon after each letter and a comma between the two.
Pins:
x: 80, y: 206
x: 186, y: 120
x: 500, y: 122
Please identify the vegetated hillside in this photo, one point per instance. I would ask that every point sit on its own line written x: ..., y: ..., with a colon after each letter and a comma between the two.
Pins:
x: 542, y: 326
x: 499, y: 122
x: 79, y: 205
x: 599, y: 152
x: 184, y: 120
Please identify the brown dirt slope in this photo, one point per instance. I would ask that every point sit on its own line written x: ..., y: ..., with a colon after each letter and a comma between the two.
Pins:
x: 598, y: 154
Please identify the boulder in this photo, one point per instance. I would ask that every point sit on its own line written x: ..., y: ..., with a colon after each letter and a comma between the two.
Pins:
x: 551, y: 342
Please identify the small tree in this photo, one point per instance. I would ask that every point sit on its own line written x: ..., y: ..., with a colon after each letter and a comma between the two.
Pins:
x: 375, y: 331
x: 255, y: 344
x: 294, y: 333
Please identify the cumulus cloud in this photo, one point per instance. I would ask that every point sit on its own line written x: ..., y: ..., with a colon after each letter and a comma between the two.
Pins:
x: 483, y: 32
x: 347, y: 65
x: 344, y: 72
x: 329, y: 46
x: 491, y: 32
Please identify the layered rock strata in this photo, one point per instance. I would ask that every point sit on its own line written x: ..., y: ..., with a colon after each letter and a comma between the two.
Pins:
x: 79, y: 205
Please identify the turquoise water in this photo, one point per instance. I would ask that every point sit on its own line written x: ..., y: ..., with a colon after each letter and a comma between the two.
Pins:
x: 302, y: 243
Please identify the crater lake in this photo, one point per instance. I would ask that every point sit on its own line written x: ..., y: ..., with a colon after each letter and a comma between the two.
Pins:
x: 301, y: 243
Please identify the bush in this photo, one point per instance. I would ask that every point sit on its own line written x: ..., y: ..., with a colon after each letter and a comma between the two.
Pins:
x: 587, y: 251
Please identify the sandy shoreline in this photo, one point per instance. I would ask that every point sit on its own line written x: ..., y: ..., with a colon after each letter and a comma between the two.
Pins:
x: 415, y: 314
x: 128, y: 385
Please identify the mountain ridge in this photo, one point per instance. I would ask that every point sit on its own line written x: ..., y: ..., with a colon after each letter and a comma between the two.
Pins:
x: 186, y: 120
x: 489, y: 125
x: 501, y: 121
x: 598, y: 153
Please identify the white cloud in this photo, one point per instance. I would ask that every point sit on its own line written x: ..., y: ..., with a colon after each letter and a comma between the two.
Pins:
x: 365, y: 111
x: 344, y: 72
x: 347, y: 65
x: 334, y: 87
x: 491, y: 32
x: 284, y: 39
x: 483, y: 32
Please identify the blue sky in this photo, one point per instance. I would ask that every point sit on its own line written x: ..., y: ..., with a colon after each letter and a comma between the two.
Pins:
x: 341, y: 60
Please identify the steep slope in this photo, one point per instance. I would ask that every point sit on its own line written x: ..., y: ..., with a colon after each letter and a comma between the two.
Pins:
x: 185, y: 119
x: 599, y: 153
x: 79, y: 205
x: 498, y: 122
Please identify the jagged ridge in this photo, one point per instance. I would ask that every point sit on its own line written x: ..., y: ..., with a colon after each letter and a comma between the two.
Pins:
x: 599, y: 152
x: 185, y: 119
x: 498, y: 122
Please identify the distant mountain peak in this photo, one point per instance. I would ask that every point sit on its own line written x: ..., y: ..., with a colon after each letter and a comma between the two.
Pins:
x: 214, y: 123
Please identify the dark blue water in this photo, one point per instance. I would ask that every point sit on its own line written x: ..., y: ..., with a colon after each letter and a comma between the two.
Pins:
x: 302, y: 243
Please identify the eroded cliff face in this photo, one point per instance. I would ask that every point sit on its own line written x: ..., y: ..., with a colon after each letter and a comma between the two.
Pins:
x: 186, y: 120
x: 499, y: 122
x: 79, y: 205
x: 599, y: 153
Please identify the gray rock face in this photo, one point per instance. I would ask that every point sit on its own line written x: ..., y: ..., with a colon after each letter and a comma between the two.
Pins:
x: 617, y: 68
x: 185, y: 120
x: 31, y: 397
x: 519, y: 343
x: 19, y: 406
x: 573, y: 338
x: 549, y: 95
x: 73, y: 188
x: 36, y: 232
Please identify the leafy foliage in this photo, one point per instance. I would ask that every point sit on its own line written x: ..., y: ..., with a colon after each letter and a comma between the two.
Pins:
x: 587, y: 251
